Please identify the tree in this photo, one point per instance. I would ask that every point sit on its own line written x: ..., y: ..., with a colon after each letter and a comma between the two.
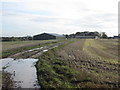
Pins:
x: 66, y: 36
x: 78, y: 33
x: 104, y: 35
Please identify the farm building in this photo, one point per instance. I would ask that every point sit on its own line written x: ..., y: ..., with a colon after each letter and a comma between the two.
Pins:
x: 116, y: 37
x: 48, y: 36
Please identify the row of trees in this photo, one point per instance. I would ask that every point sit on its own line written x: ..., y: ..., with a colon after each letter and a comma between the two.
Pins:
x: 86, y: 33
x: 16, y: 38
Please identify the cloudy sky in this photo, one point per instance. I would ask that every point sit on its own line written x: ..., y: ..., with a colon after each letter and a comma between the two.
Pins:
x: 30, y: 17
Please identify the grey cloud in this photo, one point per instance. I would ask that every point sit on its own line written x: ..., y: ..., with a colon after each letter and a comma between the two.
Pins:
x: 95, y: 21
x: 87, y: 22
x: 91, y: 21
x: 45, y: 19
x: 108, y: 17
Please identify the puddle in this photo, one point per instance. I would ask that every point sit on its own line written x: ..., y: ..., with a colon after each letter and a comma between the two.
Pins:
x: 35, y: 49
x: 45, y: 50
x: 23, y: 72
x: 31, y: 50
x: 53, y: 47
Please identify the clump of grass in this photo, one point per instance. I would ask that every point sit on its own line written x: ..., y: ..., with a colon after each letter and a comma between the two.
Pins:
x: 3, y: 68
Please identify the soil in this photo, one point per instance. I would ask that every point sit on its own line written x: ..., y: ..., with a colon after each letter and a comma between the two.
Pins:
x: 92, y: 58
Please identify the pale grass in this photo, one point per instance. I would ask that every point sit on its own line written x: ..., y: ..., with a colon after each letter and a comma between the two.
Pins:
x: 18, y: 44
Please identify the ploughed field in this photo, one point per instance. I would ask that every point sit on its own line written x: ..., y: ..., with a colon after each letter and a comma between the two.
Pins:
x: 96, y: 59
x: 84, y: 63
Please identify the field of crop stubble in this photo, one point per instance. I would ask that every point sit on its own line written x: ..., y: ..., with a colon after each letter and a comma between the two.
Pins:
x: 95, y: 61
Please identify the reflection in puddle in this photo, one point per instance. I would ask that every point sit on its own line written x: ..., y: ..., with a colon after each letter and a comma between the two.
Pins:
x: 35, y: 49
x: 23, y: 72
x: 45, y: 50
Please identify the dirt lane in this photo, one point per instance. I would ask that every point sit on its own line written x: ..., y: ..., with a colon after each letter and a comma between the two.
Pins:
x: 19, y: 44
x: 36, y: 52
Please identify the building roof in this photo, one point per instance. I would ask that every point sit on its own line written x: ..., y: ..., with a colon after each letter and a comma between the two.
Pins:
x: 116, y: 36
x: 53, y: 34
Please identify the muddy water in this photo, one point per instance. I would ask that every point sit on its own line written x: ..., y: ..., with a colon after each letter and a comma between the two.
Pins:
x: 23, y: 72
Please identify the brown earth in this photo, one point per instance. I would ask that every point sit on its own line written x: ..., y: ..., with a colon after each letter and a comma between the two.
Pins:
x: 95, y: 59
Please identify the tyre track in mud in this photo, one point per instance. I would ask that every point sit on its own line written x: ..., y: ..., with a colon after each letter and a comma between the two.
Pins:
x: 36, y: 52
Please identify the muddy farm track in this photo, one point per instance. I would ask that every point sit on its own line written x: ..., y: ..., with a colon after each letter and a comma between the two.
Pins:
x: 25, y: 59
x: 36, y: 52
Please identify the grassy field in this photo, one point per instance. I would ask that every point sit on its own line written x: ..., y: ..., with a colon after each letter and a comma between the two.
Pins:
x: 83, y: 63
x: 18, y: 44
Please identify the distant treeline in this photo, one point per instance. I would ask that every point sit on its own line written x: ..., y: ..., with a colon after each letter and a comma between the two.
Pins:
x: 16, y: 38
x: 87, y: 33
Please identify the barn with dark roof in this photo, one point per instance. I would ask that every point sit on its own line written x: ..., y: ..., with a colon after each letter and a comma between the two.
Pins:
x: 48, y: 36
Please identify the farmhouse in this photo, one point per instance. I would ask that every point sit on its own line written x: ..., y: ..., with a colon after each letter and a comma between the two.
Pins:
x: 48, y: 36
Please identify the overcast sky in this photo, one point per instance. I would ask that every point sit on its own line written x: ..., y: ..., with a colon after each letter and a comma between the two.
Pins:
x: 30, y: 17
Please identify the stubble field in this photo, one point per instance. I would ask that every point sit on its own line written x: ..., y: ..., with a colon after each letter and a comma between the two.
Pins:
x: 95, y: 61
